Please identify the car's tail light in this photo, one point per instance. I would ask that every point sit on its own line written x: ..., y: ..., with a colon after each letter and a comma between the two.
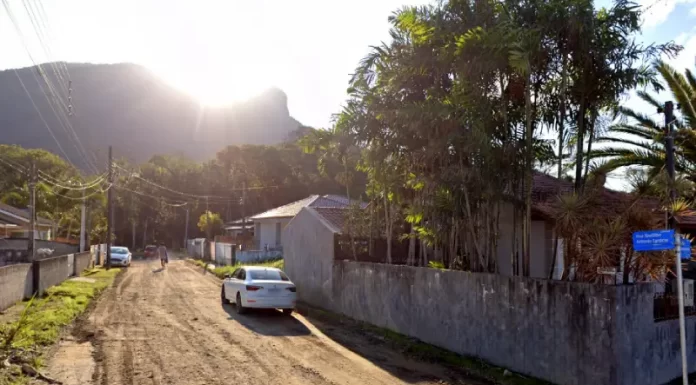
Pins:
x: 292, y: 289
x: 253, y: 288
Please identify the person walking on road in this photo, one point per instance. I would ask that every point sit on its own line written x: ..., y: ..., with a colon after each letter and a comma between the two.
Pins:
x: 162, y: 251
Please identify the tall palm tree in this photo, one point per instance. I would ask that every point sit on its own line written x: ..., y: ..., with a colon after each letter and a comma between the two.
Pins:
x: 638, y: 140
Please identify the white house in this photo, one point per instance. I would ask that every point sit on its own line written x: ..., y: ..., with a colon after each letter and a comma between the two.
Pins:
x: 269, y: 225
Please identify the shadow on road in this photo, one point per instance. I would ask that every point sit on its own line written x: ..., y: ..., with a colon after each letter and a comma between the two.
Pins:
x: 408, y: 363
x: 268, y: 322
x: 161, y: 269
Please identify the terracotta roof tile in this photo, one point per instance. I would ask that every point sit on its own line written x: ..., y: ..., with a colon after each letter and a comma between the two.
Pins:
x: 335, y: 216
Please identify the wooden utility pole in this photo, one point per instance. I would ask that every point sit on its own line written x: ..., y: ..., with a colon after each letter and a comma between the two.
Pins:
x: 186, y: 227
x: 109, y: 211
x: 244, y: 235
x: 83, y: 221
x: 31, y: 247
x: 207, y: 219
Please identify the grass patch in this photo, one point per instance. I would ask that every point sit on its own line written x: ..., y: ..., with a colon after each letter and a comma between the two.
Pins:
x: 222, y: 270
x: 42, y: 319
x: 416, y: 349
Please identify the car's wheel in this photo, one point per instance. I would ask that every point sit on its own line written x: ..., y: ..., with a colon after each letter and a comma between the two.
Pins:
x: 223, y: 297
x: 288, y: 312
x: 240, y: 309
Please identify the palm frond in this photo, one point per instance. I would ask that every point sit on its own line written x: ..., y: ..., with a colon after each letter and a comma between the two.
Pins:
x: 681, y: 91
x: 646, y: 97
x: 643, y: 119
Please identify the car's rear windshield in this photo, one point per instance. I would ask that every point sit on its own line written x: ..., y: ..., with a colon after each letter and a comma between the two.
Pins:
x: 269, y: 275
x: 150, y: 247
x: 119, y: 250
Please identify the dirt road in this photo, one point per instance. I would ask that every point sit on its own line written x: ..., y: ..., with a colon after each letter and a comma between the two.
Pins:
x: 168, y: 327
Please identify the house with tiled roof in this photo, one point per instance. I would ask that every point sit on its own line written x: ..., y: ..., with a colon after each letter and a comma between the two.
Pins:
x: 15, y: 222
x: 309, y: 237
x: 268, y: 225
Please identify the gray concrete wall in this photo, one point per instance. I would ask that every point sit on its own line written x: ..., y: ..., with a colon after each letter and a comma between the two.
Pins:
x: 308, y: 250
x: 82, y: 262
x: 557, y: 331
x: 566, y: 333
x: 15, y: 284
x: 17, y: 280
x: 647, y: 351
x: 14, y: 250
x: 52, y: 271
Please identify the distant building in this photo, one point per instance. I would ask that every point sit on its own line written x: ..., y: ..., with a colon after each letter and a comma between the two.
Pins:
x: 15, y: 223
x: 267, y: 227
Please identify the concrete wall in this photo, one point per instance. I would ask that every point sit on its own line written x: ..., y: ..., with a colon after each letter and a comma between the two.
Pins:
x: 224, y: 253
x: 82, y: 262
x: 308, y: 249
x: 647, y: 351
x: 17, y: 280
x: 15, y: 284
x: 14, y: 250
x: 52, y: 271
x: 562, y: 332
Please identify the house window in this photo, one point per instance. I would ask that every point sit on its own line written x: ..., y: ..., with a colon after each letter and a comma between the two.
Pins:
x: 277, y: 234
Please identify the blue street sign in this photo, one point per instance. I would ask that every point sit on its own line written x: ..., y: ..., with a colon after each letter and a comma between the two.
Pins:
x: 685, y: 250
x: 653, y: 240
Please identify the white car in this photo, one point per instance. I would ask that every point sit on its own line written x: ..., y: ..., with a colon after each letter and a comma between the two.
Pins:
x: 260, y: 288
x: 120, y: 256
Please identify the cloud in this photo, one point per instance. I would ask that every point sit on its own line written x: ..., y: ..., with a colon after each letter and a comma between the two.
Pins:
x: 656, y: 12
x: 687, y: 57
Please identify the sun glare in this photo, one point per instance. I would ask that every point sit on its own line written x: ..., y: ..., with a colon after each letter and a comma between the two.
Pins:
x: 224, y: 62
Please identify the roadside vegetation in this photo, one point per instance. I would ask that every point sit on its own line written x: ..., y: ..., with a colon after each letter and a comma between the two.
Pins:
x: 222, y: 270
x: 27, y: 328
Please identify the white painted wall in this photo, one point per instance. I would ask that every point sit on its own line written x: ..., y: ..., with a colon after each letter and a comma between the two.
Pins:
x: 267, y: 231
x: 541, y: 245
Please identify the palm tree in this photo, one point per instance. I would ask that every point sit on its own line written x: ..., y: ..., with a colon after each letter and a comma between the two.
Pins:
x: 638, y: 140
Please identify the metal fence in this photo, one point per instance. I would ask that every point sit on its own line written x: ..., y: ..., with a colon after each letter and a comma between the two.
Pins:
x: 666, y: 307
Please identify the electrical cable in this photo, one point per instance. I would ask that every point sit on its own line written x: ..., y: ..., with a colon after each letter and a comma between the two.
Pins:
x: 51, y: 95
x: 86, y: 197
x: 83, y: 188
x: 160, y: 199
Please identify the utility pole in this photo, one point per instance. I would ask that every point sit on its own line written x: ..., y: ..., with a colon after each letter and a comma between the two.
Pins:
x: 186, y: 227
x: 88, y: 228
x: 669, y: 148
x: 672, y: 224
x: 83, y: 221
x: 109, y: 211
x: 207, y: 219
x: 32, y: 212
x: 243, y: 213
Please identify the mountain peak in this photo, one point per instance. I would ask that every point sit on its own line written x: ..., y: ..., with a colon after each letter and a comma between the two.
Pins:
x: 128, y: 107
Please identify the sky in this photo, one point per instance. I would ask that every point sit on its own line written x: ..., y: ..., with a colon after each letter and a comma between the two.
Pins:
x: 223, y: 51
x: 220, y: 51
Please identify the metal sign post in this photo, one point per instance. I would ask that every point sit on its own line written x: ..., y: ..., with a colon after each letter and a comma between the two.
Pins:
x: 659, y: 240
x: 680, y: 293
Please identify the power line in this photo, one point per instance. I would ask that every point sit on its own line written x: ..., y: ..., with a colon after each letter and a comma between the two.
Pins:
x: 160, y: 199
x: 82, y: 188
x: 135, y: 175
x: 85, y: 197
x: 51, y: 96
